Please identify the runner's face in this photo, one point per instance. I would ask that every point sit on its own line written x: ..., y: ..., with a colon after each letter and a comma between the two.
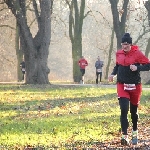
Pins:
x: 126, y: 47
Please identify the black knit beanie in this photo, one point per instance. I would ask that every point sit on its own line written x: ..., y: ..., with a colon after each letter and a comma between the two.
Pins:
x: 126, y: 38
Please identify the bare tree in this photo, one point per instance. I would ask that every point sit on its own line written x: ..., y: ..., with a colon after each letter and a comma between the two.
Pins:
x: 119, y: 24
x: 76, y: 18
x: 35, y: 49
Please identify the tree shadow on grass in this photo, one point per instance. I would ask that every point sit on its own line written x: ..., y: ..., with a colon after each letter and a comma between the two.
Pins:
x: 35, y: 105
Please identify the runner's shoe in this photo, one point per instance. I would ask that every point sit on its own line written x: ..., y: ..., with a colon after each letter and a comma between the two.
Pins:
x: 124, y: 140
x: 134, y: 137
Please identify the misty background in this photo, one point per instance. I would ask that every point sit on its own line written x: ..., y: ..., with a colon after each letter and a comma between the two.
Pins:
x: 96, y: 38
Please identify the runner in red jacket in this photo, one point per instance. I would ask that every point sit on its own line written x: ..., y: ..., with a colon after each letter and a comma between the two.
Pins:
x: 82, y: 63
x: 129, y: 62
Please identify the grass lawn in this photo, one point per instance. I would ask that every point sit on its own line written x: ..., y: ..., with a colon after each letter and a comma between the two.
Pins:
x: 60, y: 116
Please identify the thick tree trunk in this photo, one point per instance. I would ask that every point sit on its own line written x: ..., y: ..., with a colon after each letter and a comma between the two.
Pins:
x: 76, y: 55
x: 19, y: 54
x: 76, y: 70
x: 109, y: 54
x: 37, y: 72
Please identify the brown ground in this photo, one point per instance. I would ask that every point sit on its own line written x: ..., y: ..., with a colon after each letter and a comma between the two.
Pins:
x: 143, y: 143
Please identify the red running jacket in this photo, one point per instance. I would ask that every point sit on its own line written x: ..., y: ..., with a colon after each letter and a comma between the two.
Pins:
x: 83, y: 63
x: 123, y: 62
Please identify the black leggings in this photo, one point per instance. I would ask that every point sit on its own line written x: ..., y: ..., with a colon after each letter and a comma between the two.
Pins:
x: 97, y: 75
x: 124, y: 106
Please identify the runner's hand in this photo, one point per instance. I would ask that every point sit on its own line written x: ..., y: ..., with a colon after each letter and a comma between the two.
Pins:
x: 111, y: 78
x: 133, y: 67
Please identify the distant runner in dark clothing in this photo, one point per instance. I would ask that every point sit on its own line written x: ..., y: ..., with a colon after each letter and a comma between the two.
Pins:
x: 129, y: 62
x: 98, y: 65
x: 22, y: 65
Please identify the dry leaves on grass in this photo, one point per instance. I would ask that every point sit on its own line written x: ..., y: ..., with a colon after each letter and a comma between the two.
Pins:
x: 143, y: 143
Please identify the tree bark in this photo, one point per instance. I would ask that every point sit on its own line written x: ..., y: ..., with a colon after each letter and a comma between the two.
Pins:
x: 19, y: 54
x: 109, y: 54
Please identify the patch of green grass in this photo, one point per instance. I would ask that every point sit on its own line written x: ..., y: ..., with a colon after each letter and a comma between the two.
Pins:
x: 57, y: 116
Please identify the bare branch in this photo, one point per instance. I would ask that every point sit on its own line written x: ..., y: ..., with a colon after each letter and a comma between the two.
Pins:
x: 87, y: 14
